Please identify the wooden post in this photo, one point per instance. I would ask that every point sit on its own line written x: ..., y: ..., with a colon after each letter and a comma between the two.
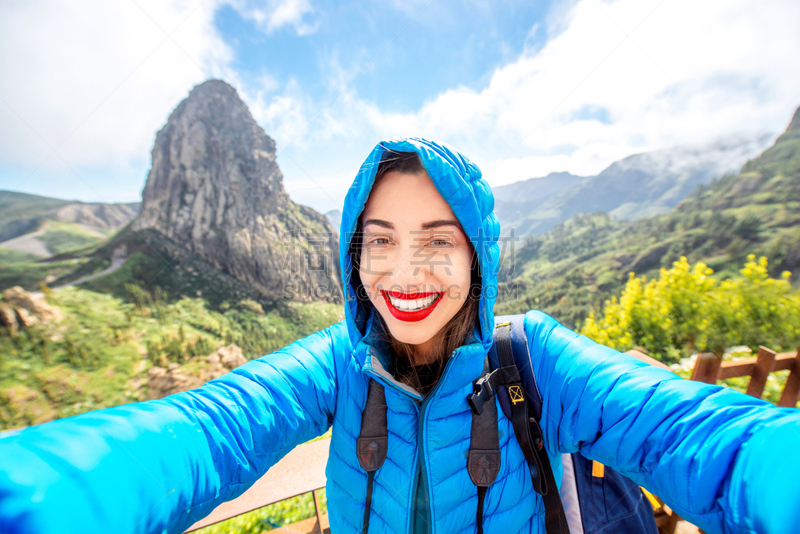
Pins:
x: 297, y: 473
x: 791, y: 390
x: 669, y: 521
x: 761, y: 370
x: 318, y: 510
x: 706, y: 368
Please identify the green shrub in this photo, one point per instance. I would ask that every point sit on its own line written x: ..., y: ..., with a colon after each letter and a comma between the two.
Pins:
x: 685, y: 310
x: 105, y: 345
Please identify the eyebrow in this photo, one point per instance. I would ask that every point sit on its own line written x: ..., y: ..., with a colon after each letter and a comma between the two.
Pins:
x: 379, y: 222
x: 439, y: 223
x: 425, y: 226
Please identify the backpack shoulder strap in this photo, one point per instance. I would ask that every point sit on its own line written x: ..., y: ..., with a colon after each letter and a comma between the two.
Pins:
x: 522, y: 360
x: 513, y: 369
x: 373, y: 440
x: 483, y: 462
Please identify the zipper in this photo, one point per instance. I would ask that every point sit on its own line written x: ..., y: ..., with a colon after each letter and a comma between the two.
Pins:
x: 421, y: 404
x: 420, y: 467
x: 414, y: 486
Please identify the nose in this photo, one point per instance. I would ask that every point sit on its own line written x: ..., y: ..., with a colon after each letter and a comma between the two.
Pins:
x: 411, y: 269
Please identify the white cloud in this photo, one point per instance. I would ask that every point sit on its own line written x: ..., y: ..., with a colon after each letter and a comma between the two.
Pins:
x: 95, y: 81
x: 277, y: 14
x: 663, y: 73
x: 287, y: 113
x: 687, y: 72
x: 102, y: 78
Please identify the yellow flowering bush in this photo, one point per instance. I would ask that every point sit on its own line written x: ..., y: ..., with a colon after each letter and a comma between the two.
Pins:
x: 686, y: 310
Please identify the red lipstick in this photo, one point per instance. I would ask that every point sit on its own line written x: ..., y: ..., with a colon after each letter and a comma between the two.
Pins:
x: 408, y: 315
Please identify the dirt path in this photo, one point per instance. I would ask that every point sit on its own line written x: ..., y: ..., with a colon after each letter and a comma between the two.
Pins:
x: 116, y: 263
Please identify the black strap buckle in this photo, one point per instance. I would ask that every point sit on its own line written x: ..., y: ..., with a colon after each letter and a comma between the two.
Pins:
x: 482, y: 391
x: 536, y: 433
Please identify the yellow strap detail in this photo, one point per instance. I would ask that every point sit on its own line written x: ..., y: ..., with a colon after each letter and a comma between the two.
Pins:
x: 515, y: 392
x: 598, y: 469
x: 498, y: 325
x: 652, y: 498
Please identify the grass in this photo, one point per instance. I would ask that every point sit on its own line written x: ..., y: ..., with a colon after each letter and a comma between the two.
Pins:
x: 572, y: 269
x: 83, y: 363
x: 99, y: 354
x: 270, y: 517
x: 275, y: 515
x: 30, y: 274
x: 98, y: 357
x: 21, y: 213
x: 156, y: 261
x: 8, y: 256
x: 61, y: 237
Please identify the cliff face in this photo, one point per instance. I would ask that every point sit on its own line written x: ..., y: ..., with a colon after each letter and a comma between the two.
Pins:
x: 216, y: 189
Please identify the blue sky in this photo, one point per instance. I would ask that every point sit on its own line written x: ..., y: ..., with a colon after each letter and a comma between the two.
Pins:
x: 407, y: 55
x: 523, y: 88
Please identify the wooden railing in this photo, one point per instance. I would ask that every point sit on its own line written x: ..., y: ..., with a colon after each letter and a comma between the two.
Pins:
x: 303, y: 470
x: 710, y: 368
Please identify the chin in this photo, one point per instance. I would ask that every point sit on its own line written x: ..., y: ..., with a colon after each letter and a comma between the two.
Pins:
x: 412, y: 335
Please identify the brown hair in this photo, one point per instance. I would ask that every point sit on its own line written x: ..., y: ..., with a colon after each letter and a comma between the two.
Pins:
x: 454, y: 334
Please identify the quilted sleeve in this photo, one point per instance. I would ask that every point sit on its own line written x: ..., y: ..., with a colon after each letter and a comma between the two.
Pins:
x: 159, y: 466
x: 723, y: 460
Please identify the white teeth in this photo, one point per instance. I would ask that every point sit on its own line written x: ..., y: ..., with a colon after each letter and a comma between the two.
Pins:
x: 412, y: 305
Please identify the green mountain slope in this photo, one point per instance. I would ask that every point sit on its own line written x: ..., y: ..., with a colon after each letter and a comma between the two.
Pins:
x: 640, y: 185
x: 154, y: 260
x: 158, y: 307
x: 148, y: 259
x: 21, y: 213
x: 99, y: 354
x: 573, y: 268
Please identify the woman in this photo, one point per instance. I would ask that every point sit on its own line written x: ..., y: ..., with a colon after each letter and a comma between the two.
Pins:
x: 419, y: 258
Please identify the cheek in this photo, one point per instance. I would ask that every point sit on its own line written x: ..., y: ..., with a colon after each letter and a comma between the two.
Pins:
x: 369, y: 278
x: 457, y: 280
x: 462, y: 264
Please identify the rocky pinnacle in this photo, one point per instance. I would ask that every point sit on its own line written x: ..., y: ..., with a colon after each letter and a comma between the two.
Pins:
x: 215, y: 188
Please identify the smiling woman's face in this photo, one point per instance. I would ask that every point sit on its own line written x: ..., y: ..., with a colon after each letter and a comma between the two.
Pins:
x: 415, y: 258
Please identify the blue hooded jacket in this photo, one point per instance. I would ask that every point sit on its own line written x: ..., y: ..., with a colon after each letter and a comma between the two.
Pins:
x: 721, y: 459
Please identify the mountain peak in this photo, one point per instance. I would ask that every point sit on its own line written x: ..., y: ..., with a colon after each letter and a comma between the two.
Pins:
x: 795, y: 124
x: 213, y: 86
x: 216, y: 189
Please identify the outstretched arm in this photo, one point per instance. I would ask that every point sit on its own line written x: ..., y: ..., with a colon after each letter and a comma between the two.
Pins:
x: 723, y: 460
x: 159, y: 466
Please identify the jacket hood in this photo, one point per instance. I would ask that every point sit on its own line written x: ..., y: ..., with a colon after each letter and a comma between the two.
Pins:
x: 460, y: 183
